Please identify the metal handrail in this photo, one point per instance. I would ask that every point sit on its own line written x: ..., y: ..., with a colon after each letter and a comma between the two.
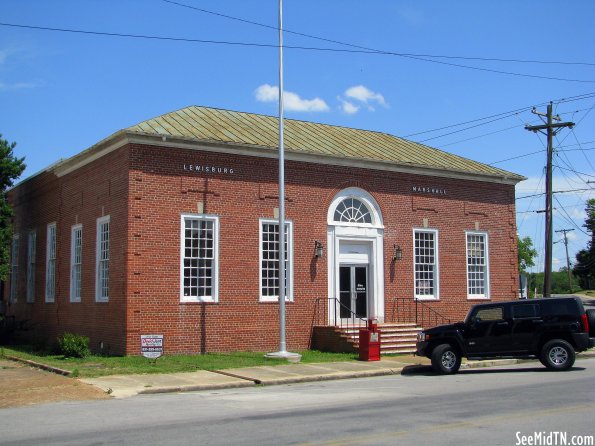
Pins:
x: 343, y: 322
x: 414, y: 310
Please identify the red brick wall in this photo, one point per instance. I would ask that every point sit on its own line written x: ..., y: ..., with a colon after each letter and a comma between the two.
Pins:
x: 97, y: 189
x: 161, y: 191
x: 145, y: 190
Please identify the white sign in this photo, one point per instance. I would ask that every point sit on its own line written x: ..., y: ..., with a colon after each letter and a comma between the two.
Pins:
x: 151, y: 346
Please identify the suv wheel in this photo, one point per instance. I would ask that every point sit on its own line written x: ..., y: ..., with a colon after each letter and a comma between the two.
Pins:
x: 446, y: 359
x: 557, y: 355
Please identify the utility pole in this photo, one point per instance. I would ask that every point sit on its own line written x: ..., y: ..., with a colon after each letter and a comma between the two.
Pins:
x: 567, y: 258
x: 550, y: 131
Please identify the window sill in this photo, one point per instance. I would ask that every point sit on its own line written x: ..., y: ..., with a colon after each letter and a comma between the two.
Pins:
x: 192, y: 300
x: 273, y: 300
x: 426, y: 298
x: 478, y: 298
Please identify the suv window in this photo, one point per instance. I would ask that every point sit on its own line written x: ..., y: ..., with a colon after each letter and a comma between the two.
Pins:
x: 566, y: 307
x: 525, y: 311
x: 489, y: 314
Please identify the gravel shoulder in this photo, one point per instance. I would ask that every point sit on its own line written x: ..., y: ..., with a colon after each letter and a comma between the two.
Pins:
x: 22, y: 385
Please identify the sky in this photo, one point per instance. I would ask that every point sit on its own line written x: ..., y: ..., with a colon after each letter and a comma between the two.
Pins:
x: 412, y: 69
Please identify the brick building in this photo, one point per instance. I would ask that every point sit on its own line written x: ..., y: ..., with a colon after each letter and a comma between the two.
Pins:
x: 168, y: 227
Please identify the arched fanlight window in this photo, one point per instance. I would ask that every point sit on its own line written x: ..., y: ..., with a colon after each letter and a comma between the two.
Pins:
x: 352, y: 210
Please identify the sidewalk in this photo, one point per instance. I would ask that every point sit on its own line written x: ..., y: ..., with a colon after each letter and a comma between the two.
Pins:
x: 128, y: 385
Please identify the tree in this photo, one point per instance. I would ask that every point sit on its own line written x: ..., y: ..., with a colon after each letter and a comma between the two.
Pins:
x: 526, y: 253
x: 10, y: 169
x: 584, y: 268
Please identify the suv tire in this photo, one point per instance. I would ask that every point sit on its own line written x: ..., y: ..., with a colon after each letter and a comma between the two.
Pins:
x: 557, y: 354
x: 591, y: 319
x: 446, y: 359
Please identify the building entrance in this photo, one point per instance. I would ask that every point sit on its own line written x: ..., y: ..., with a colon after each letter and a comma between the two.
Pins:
x: 353, y: 291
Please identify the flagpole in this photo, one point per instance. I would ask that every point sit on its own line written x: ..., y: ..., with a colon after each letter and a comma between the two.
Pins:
x: 282, y: 353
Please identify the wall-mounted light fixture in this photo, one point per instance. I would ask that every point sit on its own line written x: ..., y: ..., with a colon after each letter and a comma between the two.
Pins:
x: 397, y: 252
x: 318, y: 249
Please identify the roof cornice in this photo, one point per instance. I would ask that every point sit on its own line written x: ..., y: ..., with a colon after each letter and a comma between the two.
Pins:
x: 124, y: 137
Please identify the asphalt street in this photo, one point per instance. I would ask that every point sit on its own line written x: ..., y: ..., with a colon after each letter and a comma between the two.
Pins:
x: 492, y: 406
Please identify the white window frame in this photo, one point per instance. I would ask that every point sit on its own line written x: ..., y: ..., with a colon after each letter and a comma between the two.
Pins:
x: 289, y: 270
x: 436, y: 271
x: 14, y: 268
x: 99, y: 296
x: 215, y: 266
x: 50, y: 263
x: 76, y: 262
x: 486, y: 294
x: 31, y: 251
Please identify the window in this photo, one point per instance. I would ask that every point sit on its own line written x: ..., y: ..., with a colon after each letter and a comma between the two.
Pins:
x: 489, y: 314
x: 14, y: 268
x: 477, y: 265
x: 50, y: 266
x: 352, y: 210
x: 199, y: 258
x: 269, y: 261
x: 31, y: 245
x: 426, y: 264
x: 102, y: 260
x: 525, y: 311
x: 76, y: 260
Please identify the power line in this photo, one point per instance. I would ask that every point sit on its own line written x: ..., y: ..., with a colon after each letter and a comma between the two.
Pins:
x: 575, y: 171
x: 479, y: 136
x: 517, y: 157
x: 554, y: 192
x: 262, y: 45
x: 372, y: 50
x: 507, y: 113
x: 569, y: 219
x: 466, y: 128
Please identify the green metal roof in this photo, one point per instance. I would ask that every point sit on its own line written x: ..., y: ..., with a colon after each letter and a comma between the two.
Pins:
x: 301, y: 137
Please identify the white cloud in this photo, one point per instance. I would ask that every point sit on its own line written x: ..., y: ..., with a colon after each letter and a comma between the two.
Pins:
x: 3, y: 55
x: 291, y: 101
x: 348, y: 107
x: 412, y: 16
x: 571, y: 236
x: 16, y: 86
x: 365, y: 95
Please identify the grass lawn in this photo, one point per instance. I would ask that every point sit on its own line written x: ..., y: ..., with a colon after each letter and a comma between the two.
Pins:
x: 94, y: 366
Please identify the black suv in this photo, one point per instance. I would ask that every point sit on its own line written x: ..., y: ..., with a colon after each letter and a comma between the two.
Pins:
x: 550, y: 329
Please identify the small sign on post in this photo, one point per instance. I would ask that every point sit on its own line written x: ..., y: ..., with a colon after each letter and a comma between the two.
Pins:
x: 151, y: 346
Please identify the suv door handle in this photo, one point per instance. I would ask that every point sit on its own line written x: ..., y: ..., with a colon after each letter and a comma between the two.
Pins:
x: 538, y: 321
x: 502, y: 323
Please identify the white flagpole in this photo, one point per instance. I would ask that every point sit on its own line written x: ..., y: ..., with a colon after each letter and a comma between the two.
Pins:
x: 282, y: 353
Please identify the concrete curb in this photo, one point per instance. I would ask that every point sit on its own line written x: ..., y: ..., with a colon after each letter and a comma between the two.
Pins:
x: 193, y: 388
x: 40, y: 365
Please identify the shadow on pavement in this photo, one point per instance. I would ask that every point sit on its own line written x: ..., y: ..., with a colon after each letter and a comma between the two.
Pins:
x: 426, y: 370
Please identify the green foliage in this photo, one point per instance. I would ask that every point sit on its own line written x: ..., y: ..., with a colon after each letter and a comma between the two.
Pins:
x: 559, y: 280
x: 584, y: 267
x: 526, y: 253
x: 74, y: 346
x: 10, y: 169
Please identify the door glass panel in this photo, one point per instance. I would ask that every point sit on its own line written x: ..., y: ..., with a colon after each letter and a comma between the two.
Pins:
x: 345, y: 291
x: 361, y: 291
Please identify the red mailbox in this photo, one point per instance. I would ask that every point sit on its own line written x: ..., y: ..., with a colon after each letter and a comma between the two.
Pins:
x: 369, y: 342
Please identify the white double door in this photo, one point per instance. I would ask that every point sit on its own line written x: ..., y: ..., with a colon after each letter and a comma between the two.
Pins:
x: 353, y: 279
x: 353, y: 291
